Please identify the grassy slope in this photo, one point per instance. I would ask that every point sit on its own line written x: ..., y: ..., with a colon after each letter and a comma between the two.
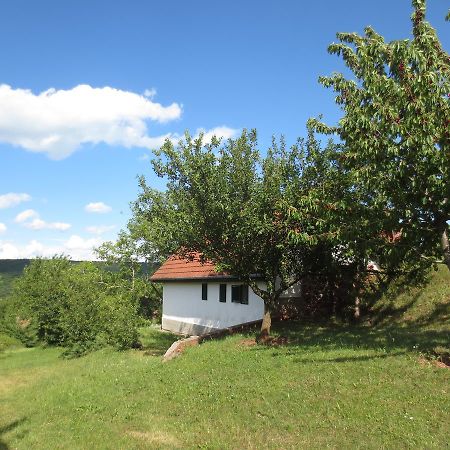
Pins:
x: 330, y: 387
x: 424, y: 306
x: 338, y: 387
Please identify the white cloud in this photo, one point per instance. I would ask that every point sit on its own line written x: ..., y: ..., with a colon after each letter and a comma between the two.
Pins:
x: 3, y: 227
x: 25, y: 215
x: 57, y: 122
x: 37, y: 223
x: 8, y: 251
x: 77, y: 247
x: 220, y: 132
x: 100, y: 229
x: 97, y: 207
x: 150, y: 93
x: 13, y: 198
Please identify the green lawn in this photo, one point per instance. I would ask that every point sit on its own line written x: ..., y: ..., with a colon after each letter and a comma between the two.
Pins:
x: 329, y: 387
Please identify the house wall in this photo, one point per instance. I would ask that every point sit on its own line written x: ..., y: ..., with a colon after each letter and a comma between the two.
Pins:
x: 185, y: 312
x: 294, y: 291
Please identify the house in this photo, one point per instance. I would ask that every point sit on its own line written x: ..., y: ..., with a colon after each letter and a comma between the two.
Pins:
x: 198, y: 300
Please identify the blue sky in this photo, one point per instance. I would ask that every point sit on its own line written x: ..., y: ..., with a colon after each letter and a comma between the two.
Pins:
x: 126, y: 74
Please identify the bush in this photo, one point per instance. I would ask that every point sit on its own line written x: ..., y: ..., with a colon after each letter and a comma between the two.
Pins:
x: 57, y: 302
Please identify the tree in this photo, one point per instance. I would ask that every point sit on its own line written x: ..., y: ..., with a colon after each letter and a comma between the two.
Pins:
x: 125, y: 260
x: 396, y: 134
x: 125, y: 254
x: 237, y: 208
x: 58, y: 302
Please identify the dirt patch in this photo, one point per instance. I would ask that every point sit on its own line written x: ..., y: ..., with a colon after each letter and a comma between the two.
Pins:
x: 270, y: 341
x: 156, y: 438
x: 247, y: 343
x: 274, y: 341
x: 433, y: 362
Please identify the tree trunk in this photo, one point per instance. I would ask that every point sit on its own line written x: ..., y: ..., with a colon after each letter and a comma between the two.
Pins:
x: 265, y: 326
x: 445, y: 244
x: 357, y: 311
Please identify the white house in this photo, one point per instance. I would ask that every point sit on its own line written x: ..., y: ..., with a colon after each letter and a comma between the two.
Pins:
x: 198, y: 300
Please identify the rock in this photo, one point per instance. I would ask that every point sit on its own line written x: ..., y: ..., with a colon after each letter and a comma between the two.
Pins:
x: 178, y: 347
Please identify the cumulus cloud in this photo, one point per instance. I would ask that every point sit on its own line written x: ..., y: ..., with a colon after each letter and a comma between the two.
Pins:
x: 57, y: 122
x: 37, y: 223
x: 2, y: 227
x: 220, y: 132
x: 13, y: 199
x: 77, y: 247
x: 150, y: 93
x: 99, y: 229
x: 25, y: 215
x: 97, y: 207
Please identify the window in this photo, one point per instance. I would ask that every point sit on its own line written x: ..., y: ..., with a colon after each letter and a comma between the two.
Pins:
x: 223, y: 293
x: 244, y: 294
x: 204, y: 291
x: 239, y: 294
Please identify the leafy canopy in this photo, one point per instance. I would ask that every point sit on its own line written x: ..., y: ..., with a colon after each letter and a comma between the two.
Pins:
x: 396, y: 132
x: 235, y: 206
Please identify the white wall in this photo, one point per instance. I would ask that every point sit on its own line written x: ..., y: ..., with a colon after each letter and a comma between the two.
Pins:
x: 294, y: 291
x: 182, y: 302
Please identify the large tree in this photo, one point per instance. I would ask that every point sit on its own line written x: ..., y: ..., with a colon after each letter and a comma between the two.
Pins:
x: 237, y: 208
x: 395, y: 132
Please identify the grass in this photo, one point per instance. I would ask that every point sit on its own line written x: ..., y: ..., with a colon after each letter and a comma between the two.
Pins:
x: 331, y: 386
x: 426, y: 306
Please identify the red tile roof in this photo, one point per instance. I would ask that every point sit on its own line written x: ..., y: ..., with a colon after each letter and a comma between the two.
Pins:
x: 178, y: 268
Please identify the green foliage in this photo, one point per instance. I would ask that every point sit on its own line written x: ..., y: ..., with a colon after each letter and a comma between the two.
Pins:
x: 396, y: 137
x: 8, y: 342
x: 72, y: 305
x: 248, y: 213
x: 126, y: 256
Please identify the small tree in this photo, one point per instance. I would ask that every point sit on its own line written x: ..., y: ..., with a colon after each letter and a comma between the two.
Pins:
x: 125, y: 260
x: 236, y: 208
x: 396, y: 137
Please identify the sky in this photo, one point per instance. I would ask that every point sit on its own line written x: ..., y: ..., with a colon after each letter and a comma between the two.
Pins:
x: 89, y: 88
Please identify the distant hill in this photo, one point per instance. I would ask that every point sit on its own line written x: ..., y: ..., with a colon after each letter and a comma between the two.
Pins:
x: 13, y: 266
x: 9, y: 270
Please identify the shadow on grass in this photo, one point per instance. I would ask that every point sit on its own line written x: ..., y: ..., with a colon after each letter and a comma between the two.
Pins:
x: 389, y: 313
x: 6, y: 429
x: 394, y: 340
x: 155, y: 342
x: 348, y: 358
x: 440, y: 315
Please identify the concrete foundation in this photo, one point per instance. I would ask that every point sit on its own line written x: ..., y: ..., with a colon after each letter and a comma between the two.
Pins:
x: 190, y: 329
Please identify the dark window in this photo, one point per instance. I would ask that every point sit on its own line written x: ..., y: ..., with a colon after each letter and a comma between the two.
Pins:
x: 236, y: 294
x: 204, y: 291
x: 244, y: 294
x: 223, y: 293
x: 239, y: 294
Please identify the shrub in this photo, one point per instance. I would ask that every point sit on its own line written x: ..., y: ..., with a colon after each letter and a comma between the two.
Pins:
x: 76, y: 306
